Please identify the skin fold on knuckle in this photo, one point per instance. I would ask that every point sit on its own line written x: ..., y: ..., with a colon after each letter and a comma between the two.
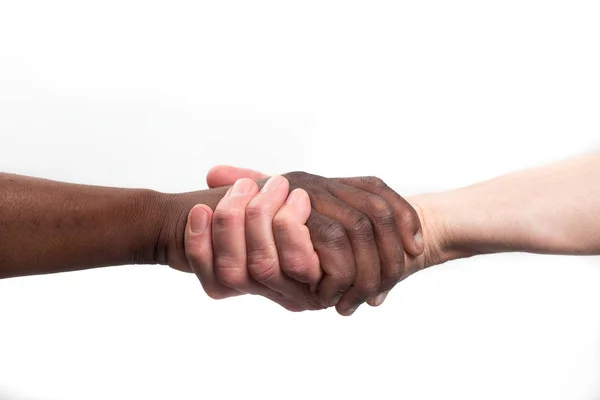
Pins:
x: 194, y: 254
x: 257, y: 212
x: 343, y: 276
x: 263, y: 264
x: 224, y: 220
x: 296, y: 266
x: 332, y: 236
x: 361, y: 228
x: 228, y: 272
x: 381, y: 213
x: 283, y: 224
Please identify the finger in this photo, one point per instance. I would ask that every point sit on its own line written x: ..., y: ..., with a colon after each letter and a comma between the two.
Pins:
x: 385, y: 229
x: 263, y: 260
x: 377, y: 300
x: 225, y: 175
x: 336, y: 257
x: 199, y: 253
x: 362, y: 239
x: 407, y: 221
x: 297, y: 256
x: 406, y: 216
x: 229, y: 240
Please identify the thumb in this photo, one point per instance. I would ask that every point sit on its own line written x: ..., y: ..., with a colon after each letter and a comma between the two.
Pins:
x: 225, y: 175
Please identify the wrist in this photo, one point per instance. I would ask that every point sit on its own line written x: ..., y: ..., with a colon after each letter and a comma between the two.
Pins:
x: 168, y: 247
x: 442, y: 231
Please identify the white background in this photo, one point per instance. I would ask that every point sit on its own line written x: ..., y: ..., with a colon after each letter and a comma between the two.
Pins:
x: 428, y: 95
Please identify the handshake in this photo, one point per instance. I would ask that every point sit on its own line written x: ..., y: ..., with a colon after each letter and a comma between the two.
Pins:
x: 301, y: 240
x: 304, y: 241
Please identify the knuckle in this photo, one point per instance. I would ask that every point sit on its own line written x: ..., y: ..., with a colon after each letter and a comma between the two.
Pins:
x: 295, y: 266
x: 381, y: 211
x: 361, y: 227
x: 193, y: 253
x: 230, y: 278
x: 262, y: 271
x: 228, y: 218
x: 333, y: 234
x: 262, y: 264
x: 282, y: 223
x: 343, y: 276
x: 408, y: 212
x: 256, y: 212
x: 408, y: 217
x: 228, y: 273
x: 377, y: 184
x: 367, y: 288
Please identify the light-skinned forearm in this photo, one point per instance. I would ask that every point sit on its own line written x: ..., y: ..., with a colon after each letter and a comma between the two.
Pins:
x: 554, y: 209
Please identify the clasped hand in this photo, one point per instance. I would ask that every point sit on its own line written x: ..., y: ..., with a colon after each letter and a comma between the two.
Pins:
x: 304, y: 241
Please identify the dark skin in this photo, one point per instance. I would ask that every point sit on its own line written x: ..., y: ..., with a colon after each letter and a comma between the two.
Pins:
x: 359, y: 228
x: 367, y: 219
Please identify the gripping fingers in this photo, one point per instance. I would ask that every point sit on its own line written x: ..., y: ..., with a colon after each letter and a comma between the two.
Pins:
x: 359, y: 231
x: 263, y: 259
x: 408, y: 228
x: 335, y: 255
x: 229, y: 240
x: 199, y: 252
x: 407, y: 219
x: 385, y: 229
x: 297, y: 256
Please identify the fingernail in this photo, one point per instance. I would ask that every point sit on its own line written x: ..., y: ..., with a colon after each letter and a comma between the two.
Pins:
x: 242, y: 187
x: 199, y: 220
x: 380, y: 298
x: 273, y: 183
x: 419, y: 240
x: 351, y: 310
x: 335, y: 300
x: 295, y: 196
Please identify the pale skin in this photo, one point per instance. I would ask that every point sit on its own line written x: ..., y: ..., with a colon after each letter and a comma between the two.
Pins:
x: 553, y: 209
x: 303, y: 241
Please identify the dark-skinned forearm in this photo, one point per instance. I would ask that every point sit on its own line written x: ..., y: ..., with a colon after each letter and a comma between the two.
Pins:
x: 48, y: 226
